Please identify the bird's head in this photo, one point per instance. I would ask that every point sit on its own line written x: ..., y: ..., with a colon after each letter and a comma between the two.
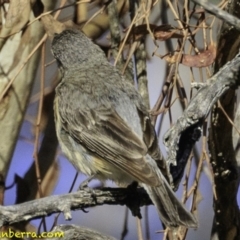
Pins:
x: 72, y: 48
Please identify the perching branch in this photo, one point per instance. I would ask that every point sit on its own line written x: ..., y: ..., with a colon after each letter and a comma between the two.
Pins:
x: 133, y: 198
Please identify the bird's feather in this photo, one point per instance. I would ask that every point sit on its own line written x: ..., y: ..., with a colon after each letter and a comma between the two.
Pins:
x: 101, y: 130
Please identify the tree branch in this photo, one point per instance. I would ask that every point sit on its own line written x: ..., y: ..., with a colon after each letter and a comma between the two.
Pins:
x: 181, y: 137
x: 77, y: 232
x: 223, y: 15
x: 223, y: 155
x: 133, y: 198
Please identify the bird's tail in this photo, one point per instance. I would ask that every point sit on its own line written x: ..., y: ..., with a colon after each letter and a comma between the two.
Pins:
x: 171, y: 211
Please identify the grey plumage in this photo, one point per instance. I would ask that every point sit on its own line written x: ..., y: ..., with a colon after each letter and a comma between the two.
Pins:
x: 104, y: 128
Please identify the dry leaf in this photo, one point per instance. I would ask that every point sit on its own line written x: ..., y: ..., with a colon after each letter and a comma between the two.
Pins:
x: 164, y: 35
x: 5, y: 101
x: 203, y: 59
x: 162, y: 32
x: 52, y: 26
x: 50, y: 180
x: 18, y: 15
x: 47, y: 107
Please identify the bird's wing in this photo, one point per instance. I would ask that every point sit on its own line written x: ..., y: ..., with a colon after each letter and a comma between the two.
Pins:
x: 151, y: 140
x: 102, y: 131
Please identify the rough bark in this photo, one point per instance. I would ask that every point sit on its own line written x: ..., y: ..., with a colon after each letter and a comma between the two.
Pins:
x: 226, y: 223
x: 81, y: 199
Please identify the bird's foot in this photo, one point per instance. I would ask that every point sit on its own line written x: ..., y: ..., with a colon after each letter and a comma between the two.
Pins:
x: 84, y: 186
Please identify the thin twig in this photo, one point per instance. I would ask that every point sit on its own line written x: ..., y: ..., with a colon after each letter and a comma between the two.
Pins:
x: 228, y: 118
x: 223, y: 15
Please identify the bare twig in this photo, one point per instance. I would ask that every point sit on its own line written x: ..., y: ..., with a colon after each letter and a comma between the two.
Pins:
x: 223, y: 15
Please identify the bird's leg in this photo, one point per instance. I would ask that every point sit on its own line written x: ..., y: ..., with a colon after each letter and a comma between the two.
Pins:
x: 84, y: 184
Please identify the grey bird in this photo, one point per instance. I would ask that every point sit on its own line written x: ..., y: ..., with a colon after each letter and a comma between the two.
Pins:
x: 104, y: 128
